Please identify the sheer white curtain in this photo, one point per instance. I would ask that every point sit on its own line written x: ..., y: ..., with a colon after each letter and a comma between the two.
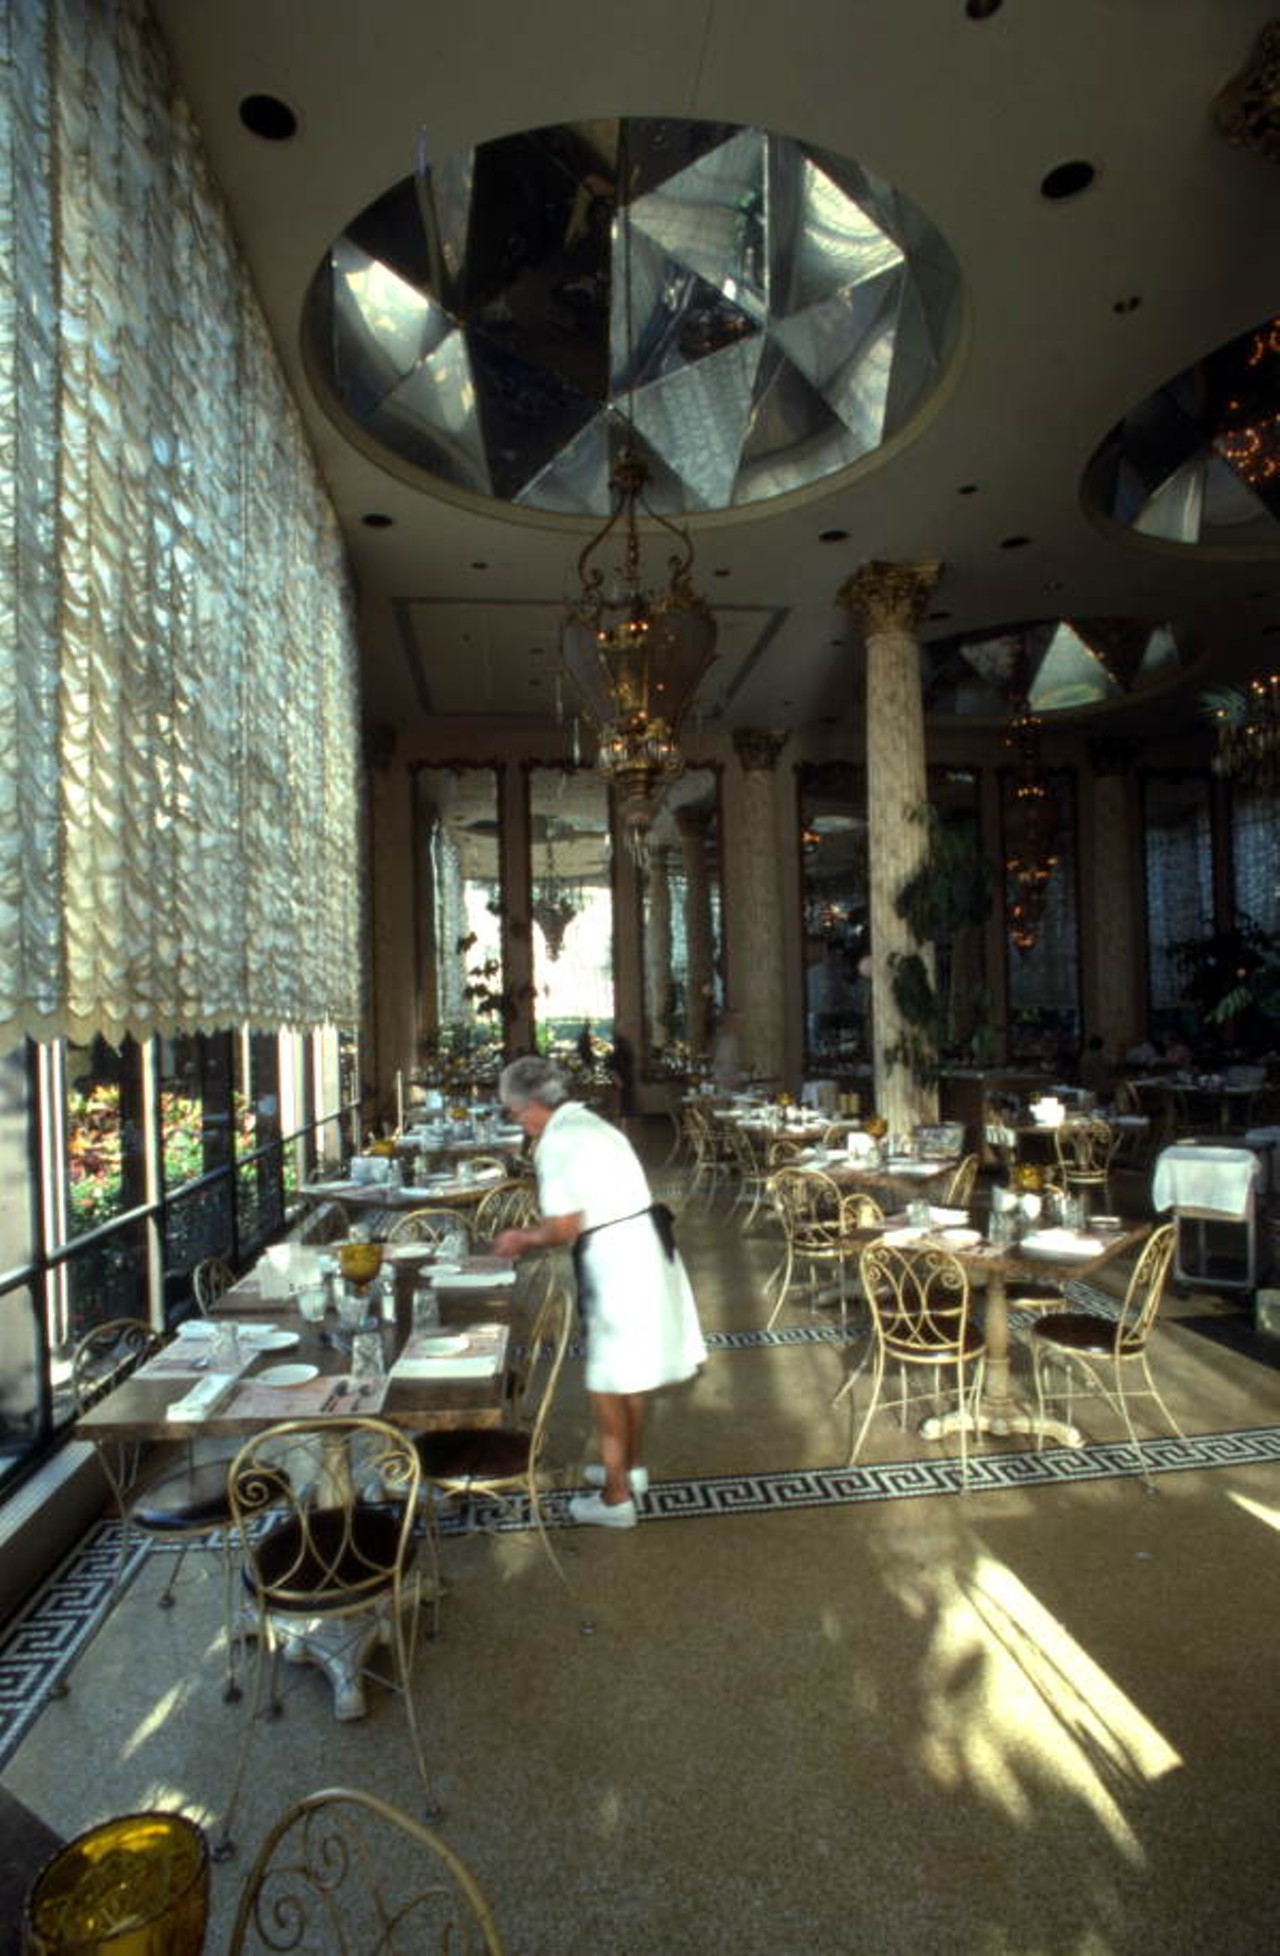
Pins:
x: 179, y: 745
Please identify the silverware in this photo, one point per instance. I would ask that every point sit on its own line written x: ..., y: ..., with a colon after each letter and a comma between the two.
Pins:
x: 327, y: 1405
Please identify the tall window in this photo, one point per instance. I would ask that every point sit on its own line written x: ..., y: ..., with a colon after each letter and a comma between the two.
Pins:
x: 1044, y: 982
x: 1255, y: 858
x: 467, y: 1008
x: 1178, y: 851
x: 683, y: 935
x: 836, y: 895
x: 571, y: 905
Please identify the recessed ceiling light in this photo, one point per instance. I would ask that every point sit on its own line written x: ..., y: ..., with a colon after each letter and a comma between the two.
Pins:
x: 721, y: 571
x: 1014, y: 543
x: 1053, y: 584
x: 268, y: 117
x: 1067, y: 180
x: 967, y: 489
x: 1269, y: 631
x: 478, y: 563
x: 833, y: 536
x: 982, y: 9
x: 1255, y: 597
x: 374, y: 519
x: 1128, y: 304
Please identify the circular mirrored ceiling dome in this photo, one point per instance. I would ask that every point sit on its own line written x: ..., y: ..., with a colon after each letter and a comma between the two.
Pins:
x: 1053, y: 665
x: 1198, y: 462
x: 751, y: 313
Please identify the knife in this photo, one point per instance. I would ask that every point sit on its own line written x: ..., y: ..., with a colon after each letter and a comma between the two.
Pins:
x: 327, y: 1405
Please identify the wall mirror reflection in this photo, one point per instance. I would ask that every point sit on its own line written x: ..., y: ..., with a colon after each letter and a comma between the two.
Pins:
x: 682, y: 925
x: 465, y: 1006
x: 571, y: 910
x: 1044, y: 976
x: 835, y: 900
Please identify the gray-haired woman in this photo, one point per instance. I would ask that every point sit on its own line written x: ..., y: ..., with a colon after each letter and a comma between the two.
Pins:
x: 642, y: 1323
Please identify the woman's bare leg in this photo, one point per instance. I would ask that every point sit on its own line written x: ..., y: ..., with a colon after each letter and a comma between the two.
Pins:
x: 619, y: 1418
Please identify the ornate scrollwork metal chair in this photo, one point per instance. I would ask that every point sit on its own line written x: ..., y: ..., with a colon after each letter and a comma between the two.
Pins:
x: 211, y: 1279
x: 430, y: 1226
x: 817, y: 1217
x: 512, y: 1205
x: 504, y: 1461
x: 1084, y: 1149
x: 154, y: 1497
x: 1107, y: 1351
x: 958, y: 1193
x: 327, y: 1513
x: 920, y: 1316
x: 748, y: 1169
x: 344, y: 1870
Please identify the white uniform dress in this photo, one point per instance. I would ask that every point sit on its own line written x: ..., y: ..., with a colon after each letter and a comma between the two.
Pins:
x: 642, y: 1323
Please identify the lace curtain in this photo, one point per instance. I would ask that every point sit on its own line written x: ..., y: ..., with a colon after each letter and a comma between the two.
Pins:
x: 178, y: 715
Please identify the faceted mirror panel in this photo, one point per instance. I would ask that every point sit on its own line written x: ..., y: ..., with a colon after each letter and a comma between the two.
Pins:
x: 682, y: 937
x: 750, y: 312
x: 1198, y: 461
x: 1058, y: 665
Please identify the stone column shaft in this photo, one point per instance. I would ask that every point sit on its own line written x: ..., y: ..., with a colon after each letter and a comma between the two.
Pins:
x: 657, y: 950
x: 753, y: 854
x: 692, y: 824
x: 889, y: 600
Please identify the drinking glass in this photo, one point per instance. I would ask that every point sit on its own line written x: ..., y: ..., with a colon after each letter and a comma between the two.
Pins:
x: 367, y: 1367
x: 426, y: 1309
x: 311, y: 1302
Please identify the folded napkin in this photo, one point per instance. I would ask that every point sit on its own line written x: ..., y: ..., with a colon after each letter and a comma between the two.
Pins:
x: 471, y: 1279
x: 201, y: 1399
x: 1062, y: 1243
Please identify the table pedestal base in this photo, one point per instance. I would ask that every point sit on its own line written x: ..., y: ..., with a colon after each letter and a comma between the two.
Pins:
x: 341, y: 1649
x: 1001, y: 1420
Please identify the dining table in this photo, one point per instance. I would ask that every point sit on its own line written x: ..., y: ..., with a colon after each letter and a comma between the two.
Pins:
x: 442, y: 1377
x: 996, y: 1269
x: 443, y: 1189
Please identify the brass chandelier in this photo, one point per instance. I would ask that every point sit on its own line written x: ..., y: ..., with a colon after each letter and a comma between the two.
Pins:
x: 1030, y: 833
x: 1247, y: 721
x: 635, y: 646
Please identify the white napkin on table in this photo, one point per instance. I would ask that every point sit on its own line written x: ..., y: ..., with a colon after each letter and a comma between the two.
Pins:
x: 200, y: 1400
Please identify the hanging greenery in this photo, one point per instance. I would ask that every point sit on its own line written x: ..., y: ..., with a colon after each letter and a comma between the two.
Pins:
x: 953, y: 888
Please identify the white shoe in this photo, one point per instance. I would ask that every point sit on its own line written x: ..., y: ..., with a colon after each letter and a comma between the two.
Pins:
x: 593, y: 1475
x: 592, y: 1511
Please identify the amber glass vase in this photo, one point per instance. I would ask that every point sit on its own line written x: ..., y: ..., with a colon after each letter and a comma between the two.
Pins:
x: 135, y: 1886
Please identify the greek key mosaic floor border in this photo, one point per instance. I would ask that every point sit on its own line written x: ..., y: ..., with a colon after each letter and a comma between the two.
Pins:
x: 40, y: 1645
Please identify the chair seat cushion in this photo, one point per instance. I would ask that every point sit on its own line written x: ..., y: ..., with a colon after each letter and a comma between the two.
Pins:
x: 191, y: 1497
x: 342, y: 1558
x: 474, y: 1454
x: 1078, y: 1331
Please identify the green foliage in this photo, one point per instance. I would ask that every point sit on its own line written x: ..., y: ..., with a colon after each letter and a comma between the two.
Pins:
x: 953, y: 887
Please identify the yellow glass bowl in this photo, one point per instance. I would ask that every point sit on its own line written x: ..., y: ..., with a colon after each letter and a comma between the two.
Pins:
x: 134, y: 1886
x: 383, y: 1148
x: 360, y: 1262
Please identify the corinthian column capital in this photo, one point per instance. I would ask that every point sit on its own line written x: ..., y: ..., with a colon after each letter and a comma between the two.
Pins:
x: 758, y: 749
x: 889, y: 597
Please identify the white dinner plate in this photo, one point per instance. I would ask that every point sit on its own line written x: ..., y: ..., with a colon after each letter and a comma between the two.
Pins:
x: 197, y: 1328
x: 286, y: 1375
x: 447, y: 1347
x: 961, y: 1239
x: 276, y: 1341
x: 1059, y: 1246
x: 405, y: 1252
x: 911, y: 1234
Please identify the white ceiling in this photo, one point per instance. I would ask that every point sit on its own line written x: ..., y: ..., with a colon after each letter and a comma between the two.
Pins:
x: 964, y: 116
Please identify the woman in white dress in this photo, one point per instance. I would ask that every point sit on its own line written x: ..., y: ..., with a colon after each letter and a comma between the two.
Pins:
x: 642, y: 1323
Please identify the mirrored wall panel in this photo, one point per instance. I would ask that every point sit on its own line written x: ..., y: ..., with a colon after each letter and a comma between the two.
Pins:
x: 570, y: 907
x: 682, y: 925
x: 466, y: 1006
x: 835, y: 902
x: 1044, y: 980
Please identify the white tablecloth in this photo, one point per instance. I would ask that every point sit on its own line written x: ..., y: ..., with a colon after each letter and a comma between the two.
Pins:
x: 1219, y: 1181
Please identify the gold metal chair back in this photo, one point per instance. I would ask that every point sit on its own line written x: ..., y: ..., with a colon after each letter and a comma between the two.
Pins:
x: 326, y: 1512
x: 211, y: 1279
x: 920, y: 1311
x: 346, y: 1870
x: 958, y: 1193
x: 1084, y: 1149
x: 429, y: 1226
x: 1106, y: 1349
x: 512, y: 1205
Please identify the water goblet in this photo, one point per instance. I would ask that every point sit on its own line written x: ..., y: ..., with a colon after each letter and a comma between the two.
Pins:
x: 367, y: 1366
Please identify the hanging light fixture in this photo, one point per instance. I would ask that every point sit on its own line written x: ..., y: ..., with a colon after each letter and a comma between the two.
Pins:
x: 553, y: 908
x: 635, y: 645
x: 1030, y: 824
x: 1247, y: 722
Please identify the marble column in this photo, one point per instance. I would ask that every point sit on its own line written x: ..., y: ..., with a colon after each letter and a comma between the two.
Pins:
x: 757, y: 987
x: 694, y: 824
x: 888, y: 601
x: 657, y: 949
